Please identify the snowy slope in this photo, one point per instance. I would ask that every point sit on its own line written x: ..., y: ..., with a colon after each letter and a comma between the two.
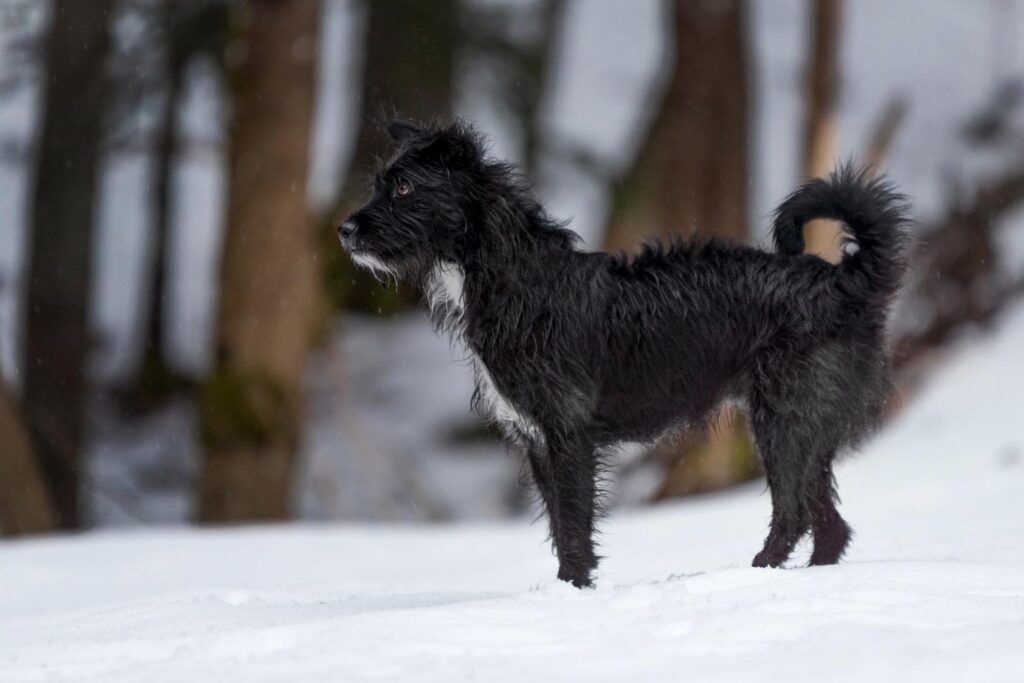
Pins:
x: 933, y: 588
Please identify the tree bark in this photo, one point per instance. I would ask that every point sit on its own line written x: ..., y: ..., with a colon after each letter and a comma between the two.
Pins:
x: 820, y: 127
x: 251, y: 405
x: 25, y: 504
x: 691, y: 170
x: 521, y: 65
x: 538, y: 64
x: 691, y: 175
x: 156, y: 378
x: 154, y: 359
x: 408, y: 73
x: 188, y: 29
x: 884, y: 132
x: 57, y: 336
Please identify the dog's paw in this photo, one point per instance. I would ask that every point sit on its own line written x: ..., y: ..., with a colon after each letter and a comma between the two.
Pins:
x: 765, y: 559
x: 577, y: 579
x: 830, y: 543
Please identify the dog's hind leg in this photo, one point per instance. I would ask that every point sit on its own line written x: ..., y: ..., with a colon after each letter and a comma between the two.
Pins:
x: 803, y: 409
x: 852, y: 381
x: 831, y: 532
x: 782, y: 452
x: 571, y: 502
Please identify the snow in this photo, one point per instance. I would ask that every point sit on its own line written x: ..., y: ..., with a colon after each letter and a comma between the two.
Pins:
x: 933, y: 588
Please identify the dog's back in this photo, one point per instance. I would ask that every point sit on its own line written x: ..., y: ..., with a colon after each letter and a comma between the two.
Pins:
x: 696, y: 322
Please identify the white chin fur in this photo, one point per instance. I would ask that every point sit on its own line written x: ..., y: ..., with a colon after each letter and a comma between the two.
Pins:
x: 378, y: 268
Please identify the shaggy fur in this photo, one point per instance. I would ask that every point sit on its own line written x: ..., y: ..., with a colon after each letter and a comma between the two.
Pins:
x: 577, y: 351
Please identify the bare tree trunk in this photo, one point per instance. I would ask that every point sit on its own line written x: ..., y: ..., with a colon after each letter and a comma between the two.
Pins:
x: 251, y: 405
x: 539, y: 63
x: 155, y: 377
x: 884, y: 132
x: 691, y: 171
x: 691, y: 175
x: 820, y: 127
x: 524, y: 67
x: 187, y: 29
x: 25, y: 505
x: 408, y: 72
x: 57, y: 335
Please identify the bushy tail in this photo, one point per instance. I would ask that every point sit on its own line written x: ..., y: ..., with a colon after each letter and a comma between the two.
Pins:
x: 874, y: 216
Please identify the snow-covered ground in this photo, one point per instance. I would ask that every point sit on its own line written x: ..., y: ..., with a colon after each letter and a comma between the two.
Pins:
x: 933, y: 588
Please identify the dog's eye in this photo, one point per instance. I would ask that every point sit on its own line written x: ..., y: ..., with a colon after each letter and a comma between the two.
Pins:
x: 403, y: 190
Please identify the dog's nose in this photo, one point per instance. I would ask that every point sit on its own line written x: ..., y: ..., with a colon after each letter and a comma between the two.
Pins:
x: 346, y: 230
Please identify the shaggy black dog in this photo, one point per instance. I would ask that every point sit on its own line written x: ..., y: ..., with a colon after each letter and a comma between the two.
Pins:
x: 577, y: 351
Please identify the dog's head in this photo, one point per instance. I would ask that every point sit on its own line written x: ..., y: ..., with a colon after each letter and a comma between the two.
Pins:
x: 422, y: 199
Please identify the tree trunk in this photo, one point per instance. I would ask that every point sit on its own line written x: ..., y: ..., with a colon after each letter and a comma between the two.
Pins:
x: 539, y: 64
x: 25, y: 505
x: 884, y: 132
x: 57, y: 335
x: 820, y: 126
x: 691, y: 170
x: 155, y: 378
x: 408, y: 73
x: 251, y: 404
x: 691, y: 175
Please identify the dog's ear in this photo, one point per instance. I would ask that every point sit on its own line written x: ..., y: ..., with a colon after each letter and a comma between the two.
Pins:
x: 451, y: 148
x: 400, y: 131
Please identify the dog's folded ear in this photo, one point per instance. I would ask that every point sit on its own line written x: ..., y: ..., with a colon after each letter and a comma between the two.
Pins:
x: 400, y: 131
x: 451, y: 148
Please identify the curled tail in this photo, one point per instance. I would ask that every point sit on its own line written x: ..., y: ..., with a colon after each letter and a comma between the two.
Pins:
x: 874, y: 217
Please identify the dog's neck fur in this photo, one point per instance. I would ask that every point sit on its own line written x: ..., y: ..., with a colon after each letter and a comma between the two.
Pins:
x: 511, y: 231
x: 513, y: 228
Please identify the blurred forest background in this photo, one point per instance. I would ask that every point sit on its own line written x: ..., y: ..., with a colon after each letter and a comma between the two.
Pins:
x: 182, y: 339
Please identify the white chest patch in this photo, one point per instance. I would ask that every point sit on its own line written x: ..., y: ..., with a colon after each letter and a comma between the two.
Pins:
x: 445, y: 296
x: 500, y: 410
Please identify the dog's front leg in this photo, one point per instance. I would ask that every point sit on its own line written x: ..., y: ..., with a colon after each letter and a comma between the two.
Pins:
x: 570, y: 468
x: 543, y: 479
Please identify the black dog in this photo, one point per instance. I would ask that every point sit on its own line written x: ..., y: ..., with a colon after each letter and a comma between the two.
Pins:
x: 576, y: 352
